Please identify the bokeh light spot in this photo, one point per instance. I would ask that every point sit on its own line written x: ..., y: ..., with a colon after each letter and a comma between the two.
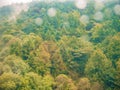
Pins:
x: 84, y: 19
x: 99, y: 6
x: 61, y: 1
x: 117, y: 9
x: 38, y: 21
x: 81, y: 4
x: 51, y: 12
x: 98, y: 16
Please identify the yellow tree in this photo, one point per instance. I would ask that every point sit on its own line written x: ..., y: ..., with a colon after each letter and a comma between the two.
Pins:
x: 63, y: 82
x: 10, y: 81
x: 83, y: 84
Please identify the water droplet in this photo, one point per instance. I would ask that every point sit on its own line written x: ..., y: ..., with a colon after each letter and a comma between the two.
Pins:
x: 98, y: 16
x: 66, y: 24
x: 108, y: 12
x: 38, y: 21
x: 48, y: 1
x: 99, y: 6
x: 51, y: 12
x: 81, y: 4
x: 62, y: 1
x: 117, y: 9
x: 12, y: 18
x: 99, y: 1
x: 84, y: 19
x: 85, y: 37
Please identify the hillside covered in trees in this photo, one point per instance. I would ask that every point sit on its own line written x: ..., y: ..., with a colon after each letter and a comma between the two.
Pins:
x: 60, y: 45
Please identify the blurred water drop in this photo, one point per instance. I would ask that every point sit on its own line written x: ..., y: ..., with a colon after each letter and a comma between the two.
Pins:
x: 99, y: 1
x: 62, y: 1
x: 81, y: 4
x: 66, y: 24
x: 108, y: 12
x: 12, y: 18
x: 84, y: 19
x: 38, y: 21
x: 99, y: 6
x: 51, y: 12
x: 48, y: 1
x: 117, y: 9
x: 98, y: 16
x: 85, y: 37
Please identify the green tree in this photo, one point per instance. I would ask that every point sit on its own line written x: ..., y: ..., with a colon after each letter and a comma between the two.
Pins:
x: 100, y: 31
x: 33, y: 81
x: 47, y: 82
x: 118, y: 75
x: 111, y: 47
x: 99, y: 68
x: 75, y: 52
x: 16, y: 64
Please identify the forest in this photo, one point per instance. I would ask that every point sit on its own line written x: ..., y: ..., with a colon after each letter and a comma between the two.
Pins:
x: 60, y: 45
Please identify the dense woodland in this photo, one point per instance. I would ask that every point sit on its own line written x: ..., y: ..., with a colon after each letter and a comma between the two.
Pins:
x: 60, y: 52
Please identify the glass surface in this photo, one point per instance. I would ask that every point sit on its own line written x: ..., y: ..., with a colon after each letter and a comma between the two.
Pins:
x: 59, y: 44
